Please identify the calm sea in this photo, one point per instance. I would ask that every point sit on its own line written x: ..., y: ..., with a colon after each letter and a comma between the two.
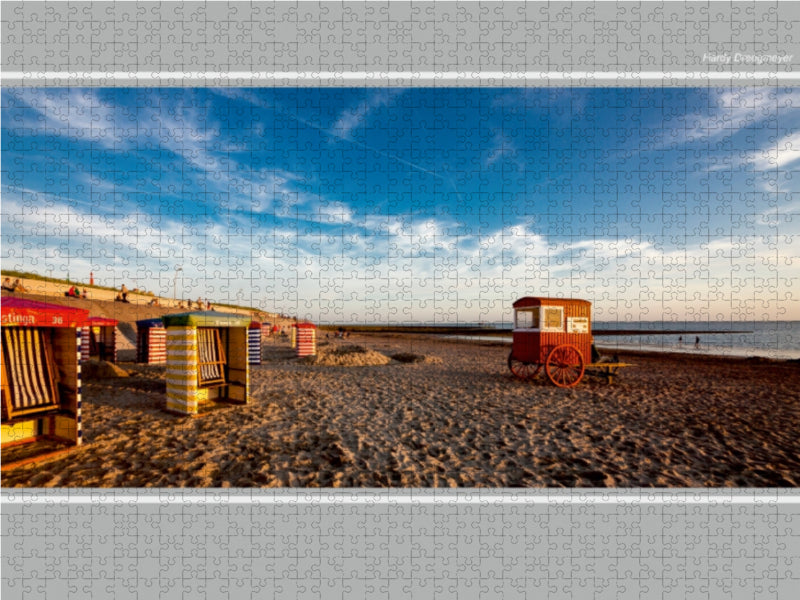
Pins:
x: 772, y: 339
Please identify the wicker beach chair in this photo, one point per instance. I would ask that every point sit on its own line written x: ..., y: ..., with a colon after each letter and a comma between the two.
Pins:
x: 30, y: 383
x: 211, y: 363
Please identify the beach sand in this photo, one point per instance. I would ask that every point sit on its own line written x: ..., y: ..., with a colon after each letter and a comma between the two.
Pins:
x: 459, y: 419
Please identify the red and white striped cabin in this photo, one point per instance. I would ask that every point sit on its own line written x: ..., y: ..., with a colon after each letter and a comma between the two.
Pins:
x: 151, y: 341
x: 99, y: 339
x: 306, y: 339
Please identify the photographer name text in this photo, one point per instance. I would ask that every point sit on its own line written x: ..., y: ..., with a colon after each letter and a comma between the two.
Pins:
x: 747, y: 59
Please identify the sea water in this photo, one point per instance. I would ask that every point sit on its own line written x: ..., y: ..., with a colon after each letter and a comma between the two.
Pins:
x: 768, y: 339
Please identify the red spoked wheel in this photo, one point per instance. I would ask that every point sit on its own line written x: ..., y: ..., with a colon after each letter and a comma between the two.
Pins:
x: 521, y: 369
x: 564, y: 366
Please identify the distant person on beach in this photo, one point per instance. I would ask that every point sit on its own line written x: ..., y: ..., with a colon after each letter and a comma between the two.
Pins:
x: 199, y: 304
x: 123, y: 293
x: 680, y: 340
x: 85, y: 294
x: 697, y: 342
x: 18, y: 287
x: 72, y: 293
x: 8, y: 286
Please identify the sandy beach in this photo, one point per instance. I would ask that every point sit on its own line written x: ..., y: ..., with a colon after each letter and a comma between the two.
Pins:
x: 458, y: 419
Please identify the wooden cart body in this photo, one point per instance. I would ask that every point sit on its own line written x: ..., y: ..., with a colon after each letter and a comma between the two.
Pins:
x: 541, y: 324
x: 555, y: 333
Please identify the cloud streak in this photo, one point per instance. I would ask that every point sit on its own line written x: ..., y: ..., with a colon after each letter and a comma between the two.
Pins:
x: 357, y: 116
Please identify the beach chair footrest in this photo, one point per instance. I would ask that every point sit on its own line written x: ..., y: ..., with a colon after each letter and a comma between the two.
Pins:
x: 37, y: 414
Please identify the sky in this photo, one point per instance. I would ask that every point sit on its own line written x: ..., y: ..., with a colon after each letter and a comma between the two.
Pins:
x: 414, y: 205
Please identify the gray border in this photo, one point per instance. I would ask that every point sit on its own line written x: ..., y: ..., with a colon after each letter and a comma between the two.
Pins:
x: 391, y: 543
x: 400, y: 544
x: 400, y: 43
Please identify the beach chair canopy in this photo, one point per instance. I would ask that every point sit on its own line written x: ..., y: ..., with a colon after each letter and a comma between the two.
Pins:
x: 31, y: 313
x: 206, y: 318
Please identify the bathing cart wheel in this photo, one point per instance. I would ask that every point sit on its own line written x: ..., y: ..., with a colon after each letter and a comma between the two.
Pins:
x: 521, y: 369
x: 564, y: 366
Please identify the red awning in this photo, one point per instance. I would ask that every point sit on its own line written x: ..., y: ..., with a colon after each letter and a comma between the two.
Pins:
x: 31, y: 313
x: 102, y: 322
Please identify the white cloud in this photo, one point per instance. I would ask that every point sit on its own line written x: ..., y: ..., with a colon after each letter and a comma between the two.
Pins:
x: 728, y: 112
x: 784, y: 153
x: 355, y: 116
x: 332, y: 213
x: 77, y: 114
x: 389, y: 265
x: 242, y: 94
x: 503, y: 148
x: 186, y: 134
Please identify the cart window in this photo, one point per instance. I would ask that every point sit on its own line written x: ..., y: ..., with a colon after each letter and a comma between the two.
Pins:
x: 528, y: 319
x: 553, y: 319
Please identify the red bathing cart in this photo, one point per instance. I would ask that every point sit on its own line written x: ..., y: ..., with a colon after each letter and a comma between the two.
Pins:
x: 555, y: 333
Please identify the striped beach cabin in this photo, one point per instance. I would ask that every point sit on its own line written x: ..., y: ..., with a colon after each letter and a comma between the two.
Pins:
x: 207, y: 360
x: 99, y: 339
x: 151, y: 342
x: 306, y: 339
x: 41, y: 379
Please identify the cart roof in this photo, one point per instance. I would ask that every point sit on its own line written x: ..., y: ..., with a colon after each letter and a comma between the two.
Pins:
x: 304, y: 325
x: 103, y: 322
x: 206, y: 318
x: 32, y: 313
x: 255, y: 324
x: 531, y: 301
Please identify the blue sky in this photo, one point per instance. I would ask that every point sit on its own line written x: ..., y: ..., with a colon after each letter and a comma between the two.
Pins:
x: 414, y: 205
